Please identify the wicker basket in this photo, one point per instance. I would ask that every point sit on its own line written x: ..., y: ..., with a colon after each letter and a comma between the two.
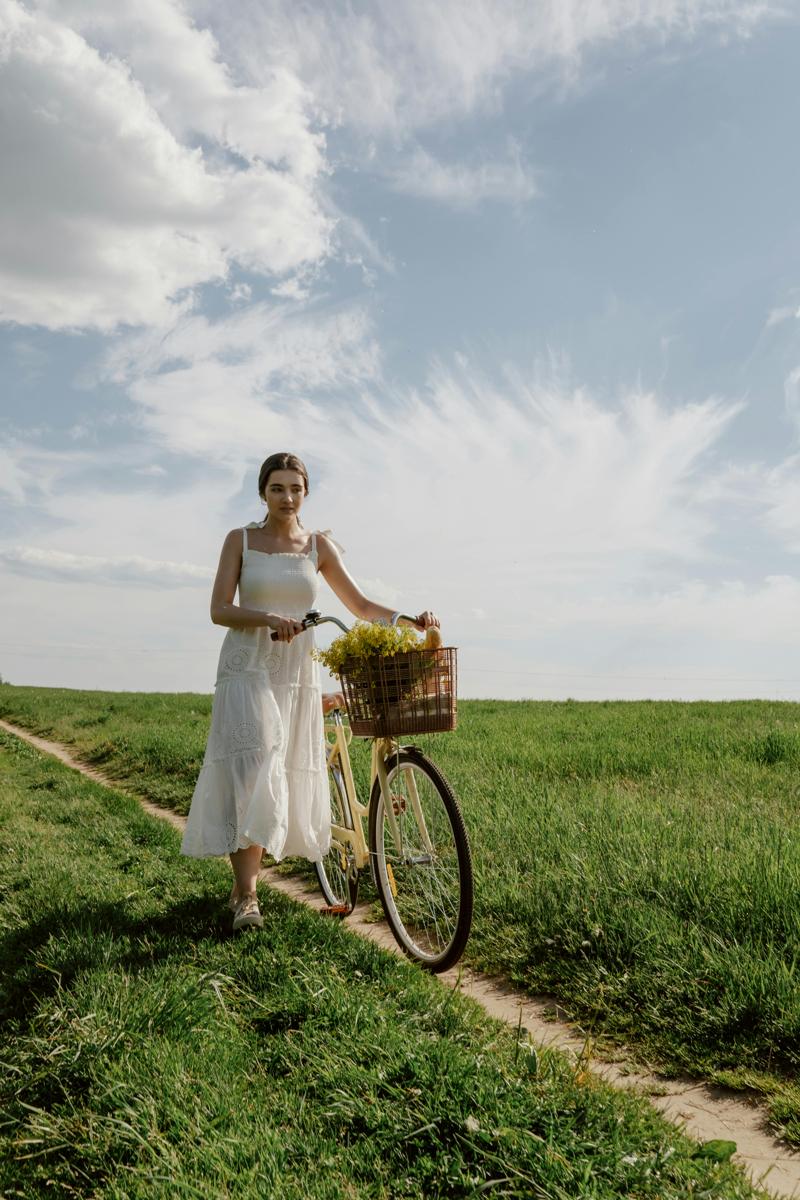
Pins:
x: 413, y: 692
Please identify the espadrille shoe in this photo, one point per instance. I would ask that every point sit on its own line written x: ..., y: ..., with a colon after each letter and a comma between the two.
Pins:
x: 247, y: 915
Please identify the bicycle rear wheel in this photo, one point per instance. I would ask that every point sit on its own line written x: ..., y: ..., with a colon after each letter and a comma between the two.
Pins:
x: 337, y: 873
x: 425, y: 880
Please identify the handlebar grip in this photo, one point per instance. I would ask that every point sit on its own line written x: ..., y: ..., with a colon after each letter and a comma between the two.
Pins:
x: 398, y: 617
x: 433, y: 635
x: 311, y: 618
x: 274, y: 635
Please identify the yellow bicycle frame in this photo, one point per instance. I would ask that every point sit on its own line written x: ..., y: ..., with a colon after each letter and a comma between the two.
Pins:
x: 338, y: 737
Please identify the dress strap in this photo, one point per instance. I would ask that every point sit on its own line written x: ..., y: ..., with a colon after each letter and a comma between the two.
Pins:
x: 313, y: 553
x: 327, y: 533
x: 244, y: 543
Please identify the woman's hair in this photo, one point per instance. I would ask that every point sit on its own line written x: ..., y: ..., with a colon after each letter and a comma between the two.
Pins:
x: 280, y: 462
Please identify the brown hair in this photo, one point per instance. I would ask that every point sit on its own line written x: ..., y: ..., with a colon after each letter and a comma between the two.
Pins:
x: 282, y: 461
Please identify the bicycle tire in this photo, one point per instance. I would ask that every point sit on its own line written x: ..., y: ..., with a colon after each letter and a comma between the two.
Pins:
x: 427, y: 899
x: 337, y: 873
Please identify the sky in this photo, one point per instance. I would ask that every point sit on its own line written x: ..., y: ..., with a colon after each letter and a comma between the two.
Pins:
x: 519, y: 281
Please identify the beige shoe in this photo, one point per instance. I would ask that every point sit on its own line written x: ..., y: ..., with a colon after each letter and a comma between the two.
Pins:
x: 247, y: 914
x: 233, y: 902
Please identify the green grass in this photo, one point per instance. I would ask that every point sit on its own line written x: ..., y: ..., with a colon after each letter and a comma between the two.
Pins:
x: 148, y: 1053
x: 639, y: 861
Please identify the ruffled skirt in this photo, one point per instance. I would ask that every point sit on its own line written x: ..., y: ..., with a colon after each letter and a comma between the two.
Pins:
x: 264, y: 778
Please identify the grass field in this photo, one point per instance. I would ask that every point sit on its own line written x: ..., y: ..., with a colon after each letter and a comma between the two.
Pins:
x: 148, y: 1053
x: 640, y: 861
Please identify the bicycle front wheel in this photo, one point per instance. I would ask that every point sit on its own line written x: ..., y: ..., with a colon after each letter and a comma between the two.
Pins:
x: 424, y: 875
x: 337, y: 873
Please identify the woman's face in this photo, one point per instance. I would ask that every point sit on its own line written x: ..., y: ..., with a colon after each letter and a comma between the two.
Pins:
x: 284, y: 494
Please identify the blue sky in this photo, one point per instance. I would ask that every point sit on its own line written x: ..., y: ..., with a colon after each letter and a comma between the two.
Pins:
x: 520, y: 282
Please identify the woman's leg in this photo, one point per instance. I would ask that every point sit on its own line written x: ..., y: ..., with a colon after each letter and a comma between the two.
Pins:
x: 246, y: 864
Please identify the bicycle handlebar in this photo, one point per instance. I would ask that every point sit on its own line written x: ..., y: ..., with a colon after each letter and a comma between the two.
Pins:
x: 314, y: 617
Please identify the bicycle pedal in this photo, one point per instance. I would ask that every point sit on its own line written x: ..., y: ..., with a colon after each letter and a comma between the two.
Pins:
x: 335, y: 910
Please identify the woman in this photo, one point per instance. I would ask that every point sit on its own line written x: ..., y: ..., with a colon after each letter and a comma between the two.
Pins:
x: 264, y: 784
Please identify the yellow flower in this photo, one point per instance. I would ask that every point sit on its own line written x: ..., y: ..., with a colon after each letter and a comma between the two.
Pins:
x: 366, y: 639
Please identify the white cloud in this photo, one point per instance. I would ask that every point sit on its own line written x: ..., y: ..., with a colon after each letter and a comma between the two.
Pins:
x: 228, y: 389
x: 128, y: 191
x: 465, y: 185
x: 86, y: 568
x: 359, y: 248
x: 783, y: 313
x: 241, y: 293
x: 179, y: 67
x: 392, y: 68
x: 305, y: 350
x: 291, y: 289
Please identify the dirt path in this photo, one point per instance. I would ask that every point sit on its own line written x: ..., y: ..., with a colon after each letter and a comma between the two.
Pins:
x: 703, y: 1111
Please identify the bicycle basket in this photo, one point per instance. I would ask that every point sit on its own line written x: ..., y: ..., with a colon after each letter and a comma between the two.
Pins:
x: 412, y: 692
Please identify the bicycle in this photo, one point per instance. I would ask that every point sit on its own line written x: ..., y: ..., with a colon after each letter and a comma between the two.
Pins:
x: 417, y: 845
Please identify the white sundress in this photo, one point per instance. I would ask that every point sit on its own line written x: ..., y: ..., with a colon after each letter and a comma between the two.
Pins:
x: 264, y: 779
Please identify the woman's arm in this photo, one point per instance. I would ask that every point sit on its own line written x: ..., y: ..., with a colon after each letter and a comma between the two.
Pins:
x: 348, y: 591
x: 225, y: 612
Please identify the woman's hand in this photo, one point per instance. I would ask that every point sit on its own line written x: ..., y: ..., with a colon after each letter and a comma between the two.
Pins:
x: 426, y: 619
x: 283, y: 628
